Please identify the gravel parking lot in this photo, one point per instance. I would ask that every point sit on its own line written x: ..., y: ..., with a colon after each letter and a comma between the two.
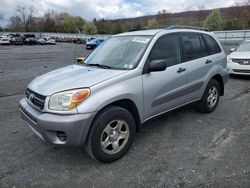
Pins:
x: 183, y: 148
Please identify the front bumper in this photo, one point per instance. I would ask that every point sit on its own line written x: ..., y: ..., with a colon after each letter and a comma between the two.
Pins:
x: 235, y: 68
x: 55, y: 128
x: 4, y: 42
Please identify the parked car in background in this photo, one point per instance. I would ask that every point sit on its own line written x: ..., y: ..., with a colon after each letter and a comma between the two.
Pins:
x: 16, y: 39
x: 4, y: 40
x: 130, y: 79
x: 30, y: 39
x: 93, y: 43
x: 51, y: 41
x: 42, y: 41
x: 46, y: 40
x: 78, y: 41
x: 238, y: 62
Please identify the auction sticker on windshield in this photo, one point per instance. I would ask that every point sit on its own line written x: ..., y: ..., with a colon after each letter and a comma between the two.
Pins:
x: 140, y: 40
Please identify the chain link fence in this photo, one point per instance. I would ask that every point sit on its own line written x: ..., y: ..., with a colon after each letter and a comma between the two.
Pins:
x: 226, y: 37
x: 233, y: 37
x: 59, y: 35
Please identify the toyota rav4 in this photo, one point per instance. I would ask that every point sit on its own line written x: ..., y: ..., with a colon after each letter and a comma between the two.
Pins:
x: 129, y: 79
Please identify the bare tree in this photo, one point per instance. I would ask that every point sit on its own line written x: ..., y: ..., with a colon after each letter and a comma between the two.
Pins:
x: 26, y: 16
x: 15, y: 23
x: 48, y: 21
x: 163, y: 17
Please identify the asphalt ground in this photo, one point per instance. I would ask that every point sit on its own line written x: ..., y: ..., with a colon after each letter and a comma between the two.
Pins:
x: 183, y: 148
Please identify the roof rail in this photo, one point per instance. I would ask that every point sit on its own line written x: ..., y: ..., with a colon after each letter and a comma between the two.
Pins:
x: 187, y: 27
x: 141, y: 29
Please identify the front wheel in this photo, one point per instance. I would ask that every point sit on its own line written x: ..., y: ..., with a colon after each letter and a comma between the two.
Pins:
x: 210, y: 98
x: 111, y: 134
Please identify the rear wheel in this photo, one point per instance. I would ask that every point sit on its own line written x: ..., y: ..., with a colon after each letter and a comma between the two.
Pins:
x: 210, y: 98
x: 111, y: 134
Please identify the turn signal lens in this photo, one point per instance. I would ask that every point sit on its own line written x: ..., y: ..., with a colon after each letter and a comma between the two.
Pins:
x: 78, y: 97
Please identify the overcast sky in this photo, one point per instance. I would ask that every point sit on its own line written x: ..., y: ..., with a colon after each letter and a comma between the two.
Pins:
x: 110, y: 9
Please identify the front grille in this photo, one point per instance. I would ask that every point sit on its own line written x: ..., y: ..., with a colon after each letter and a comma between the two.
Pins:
x: 35, y: 98
x: 241, y: 71
x: 241, y: 61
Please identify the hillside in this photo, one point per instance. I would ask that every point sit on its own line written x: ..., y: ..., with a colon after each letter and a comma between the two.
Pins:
x: 237, y: 17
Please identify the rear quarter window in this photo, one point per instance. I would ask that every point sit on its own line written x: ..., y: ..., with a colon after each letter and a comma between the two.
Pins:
x: 205, y: 50
x: 212, y: 45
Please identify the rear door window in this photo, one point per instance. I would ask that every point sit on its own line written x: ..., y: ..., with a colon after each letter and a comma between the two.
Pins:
x: 192, y: 48
x: 212, y: 45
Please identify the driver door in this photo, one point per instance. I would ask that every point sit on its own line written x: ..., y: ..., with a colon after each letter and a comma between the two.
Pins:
x: 165, y: 90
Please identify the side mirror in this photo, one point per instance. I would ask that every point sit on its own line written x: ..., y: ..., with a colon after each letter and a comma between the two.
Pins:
x: 80, y: 59
x: 157, y: 65
x: 232, y: 49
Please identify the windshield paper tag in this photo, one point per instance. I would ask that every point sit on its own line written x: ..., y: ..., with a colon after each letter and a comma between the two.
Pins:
x: 140, y: 40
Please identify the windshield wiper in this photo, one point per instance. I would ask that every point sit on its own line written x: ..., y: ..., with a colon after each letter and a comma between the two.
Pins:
x: 98, y: 65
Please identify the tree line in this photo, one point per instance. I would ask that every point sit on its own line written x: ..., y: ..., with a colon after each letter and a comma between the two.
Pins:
x: 25, y: 21
x: 231, y: 18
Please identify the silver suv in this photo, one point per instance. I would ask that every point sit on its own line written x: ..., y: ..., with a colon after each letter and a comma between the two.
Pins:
x: 129, y: 79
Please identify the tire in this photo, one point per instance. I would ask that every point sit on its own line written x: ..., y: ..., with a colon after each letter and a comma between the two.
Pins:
x: 111, y: 135
x: 210, y: 98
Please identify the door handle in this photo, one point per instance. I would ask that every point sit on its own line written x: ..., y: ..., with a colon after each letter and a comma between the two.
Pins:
x: 208, y: 61
x: 180, y: 70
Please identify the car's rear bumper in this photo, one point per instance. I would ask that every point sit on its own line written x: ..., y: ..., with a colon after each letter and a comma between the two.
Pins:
x: 55, y: 128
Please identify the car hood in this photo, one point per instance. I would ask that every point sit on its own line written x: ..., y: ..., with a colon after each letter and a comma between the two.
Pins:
x: 240, y: 55
x: 71, y: 77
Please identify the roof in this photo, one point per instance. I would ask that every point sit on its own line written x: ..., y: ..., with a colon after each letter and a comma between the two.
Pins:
x: 152, y: 32
x: 141, y: 32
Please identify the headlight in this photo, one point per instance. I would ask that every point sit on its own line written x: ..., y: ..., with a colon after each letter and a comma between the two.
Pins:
x: 68, y: 100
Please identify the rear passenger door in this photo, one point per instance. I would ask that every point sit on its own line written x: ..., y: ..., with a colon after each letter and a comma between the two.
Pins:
x: 199, y: 61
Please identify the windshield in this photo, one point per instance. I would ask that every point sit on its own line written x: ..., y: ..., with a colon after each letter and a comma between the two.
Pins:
x: 119, y: 52
x: 244, y: 47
